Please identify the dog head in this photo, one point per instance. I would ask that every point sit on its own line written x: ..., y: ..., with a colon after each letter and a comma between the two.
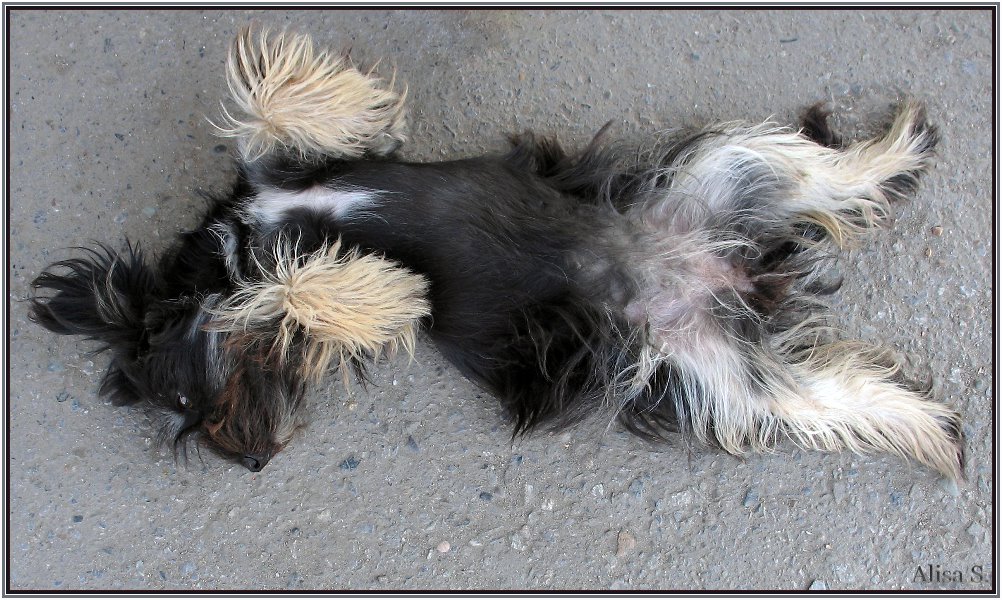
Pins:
x: 164, y: 356
x: 231, y: 363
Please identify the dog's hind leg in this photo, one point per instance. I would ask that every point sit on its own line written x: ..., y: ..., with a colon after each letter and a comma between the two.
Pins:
x: 728, y: 376
x: 766, y: 177
x: 734, y: 223
x: 850, y: 191
x: 306, y: 104
x: 848, y: 395
x: 835, y: 396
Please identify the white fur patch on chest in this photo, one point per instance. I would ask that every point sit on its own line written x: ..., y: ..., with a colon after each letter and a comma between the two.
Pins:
x: 271, y: 205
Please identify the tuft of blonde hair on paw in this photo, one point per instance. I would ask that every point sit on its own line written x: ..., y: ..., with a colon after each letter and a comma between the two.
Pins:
x: 306, y: 102
x: 348, y: 306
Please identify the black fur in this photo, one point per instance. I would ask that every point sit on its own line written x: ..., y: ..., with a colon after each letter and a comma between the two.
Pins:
x: 533, y: 271
x: 814, y: 124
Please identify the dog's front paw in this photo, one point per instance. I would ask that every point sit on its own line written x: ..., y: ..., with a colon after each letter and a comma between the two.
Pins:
x: 305, y: 103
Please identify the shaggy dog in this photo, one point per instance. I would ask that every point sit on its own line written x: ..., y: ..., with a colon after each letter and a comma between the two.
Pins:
x: 678, y: 290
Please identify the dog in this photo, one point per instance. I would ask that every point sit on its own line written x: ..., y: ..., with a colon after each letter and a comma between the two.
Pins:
x: 680, y: 290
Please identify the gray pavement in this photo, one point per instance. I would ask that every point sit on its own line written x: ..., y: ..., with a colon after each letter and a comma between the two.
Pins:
x: 414, y: 483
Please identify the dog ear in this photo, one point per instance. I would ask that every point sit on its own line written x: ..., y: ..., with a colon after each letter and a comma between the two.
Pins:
x: 102, y: 296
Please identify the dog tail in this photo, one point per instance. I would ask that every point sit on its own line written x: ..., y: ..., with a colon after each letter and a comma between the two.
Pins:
x: 306, y: 103
x: 328, y: 306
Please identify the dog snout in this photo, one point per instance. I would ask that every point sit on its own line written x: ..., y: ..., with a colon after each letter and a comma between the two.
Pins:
x: 255, y: 462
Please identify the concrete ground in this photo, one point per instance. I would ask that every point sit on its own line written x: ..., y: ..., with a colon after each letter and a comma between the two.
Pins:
x: 414, y: 484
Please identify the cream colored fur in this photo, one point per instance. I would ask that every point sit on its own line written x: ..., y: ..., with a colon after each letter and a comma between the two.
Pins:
x: 840, y: 190
x: 837, y: 395
x: 349, y: 306
x: 310, y: 103
x: 846, y: 398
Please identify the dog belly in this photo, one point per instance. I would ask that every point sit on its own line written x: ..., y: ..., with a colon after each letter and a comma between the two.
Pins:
x: 677, y: 278
x: 470, y: 224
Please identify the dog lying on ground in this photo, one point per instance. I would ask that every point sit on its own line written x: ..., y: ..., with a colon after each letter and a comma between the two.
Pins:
x: 679, y: 290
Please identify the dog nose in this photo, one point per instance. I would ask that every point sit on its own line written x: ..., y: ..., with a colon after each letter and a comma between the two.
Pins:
x: 255, y: 462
